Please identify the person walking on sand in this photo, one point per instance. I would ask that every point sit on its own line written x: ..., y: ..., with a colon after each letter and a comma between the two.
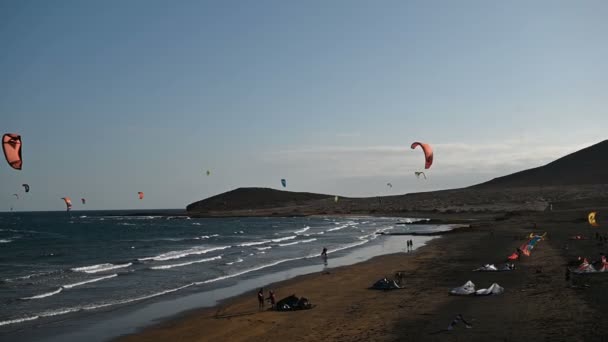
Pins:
x: 324, y: 252
x: 261, y: 299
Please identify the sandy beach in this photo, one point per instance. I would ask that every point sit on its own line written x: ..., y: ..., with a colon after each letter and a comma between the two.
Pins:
x: 538, y: 302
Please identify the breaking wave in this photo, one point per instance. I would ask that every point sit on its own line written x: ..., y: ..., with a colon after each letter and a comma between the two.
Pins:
x: 165, y: 267
x: 99, y: 268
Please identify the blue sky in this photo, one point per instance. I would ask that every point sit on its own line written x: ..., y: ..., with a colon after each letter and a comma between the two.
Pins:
x: 115, y: 97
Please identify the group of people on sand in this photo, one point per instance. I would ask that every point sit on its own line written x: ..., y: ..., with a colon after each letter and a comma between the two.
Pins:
x: 271, y: 298
x: 410, y: 245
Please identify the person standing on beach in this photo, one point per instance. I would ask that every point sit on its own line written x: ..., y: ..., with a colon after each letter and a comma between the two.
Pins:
x: 272, y: 299
x: 261, y: 299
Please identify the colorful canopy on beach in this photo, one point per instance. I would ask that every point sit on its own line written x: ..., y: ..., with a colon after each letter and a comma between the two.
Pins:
x: 428, y: 153
x: 592, y: 220
x: 26, y: 186
x: 68, y: 203
x: 141, y: 195
x: 11, y: 145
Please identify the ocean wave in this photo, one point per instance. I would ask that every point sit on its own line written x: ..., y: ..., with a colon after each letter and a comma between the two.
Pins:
x: 5, y: 241
x: 254, y: 243
x: 196, y: 224
x: 234, y: 262
x: 284, y: 238
x: 206, y: 236
x: 263, y: 248
x: 25, y: 277
x: 296, y: 242
x: 99, y: 268
x: 183, y: 253
x: 44, y: 295
x: 69, y: 286
x: 338, y: 228
x: 348, y: 246
x: 126, y: 224
x: 213, y: 280
x: 164, y: 267
x: 302, y: 230
x: 18, y: 320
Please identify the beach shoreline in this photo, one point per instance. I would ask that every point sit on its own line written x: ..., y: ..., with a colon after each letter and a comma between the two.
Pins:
x: 348, y: 311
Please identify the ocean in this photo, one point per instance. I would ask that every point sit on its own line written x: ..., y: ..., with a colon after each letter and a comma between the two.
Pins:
x: 58, y: 269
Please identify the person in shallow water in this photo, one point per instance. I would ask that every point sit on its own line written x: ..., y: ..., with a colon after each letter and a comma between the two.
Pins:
x: 324, y: 252
x: 261, y: 299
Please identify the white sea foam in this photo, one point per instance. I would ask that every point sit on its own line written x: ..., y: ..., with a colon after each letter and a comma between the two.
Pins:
x: 263, y: 248
x: 234, y: 262
x: 254, y: 243
x: 297, y: 242
x: 206, y: 237
x: 69, y: 286
x: 5, y: 241
x: 44, y: 295
x: 338, y: 228
x: 165, y: 267
x: 99, y: 268
x: 284, y: 238
x: 302, y: 230
x: 183, y: 253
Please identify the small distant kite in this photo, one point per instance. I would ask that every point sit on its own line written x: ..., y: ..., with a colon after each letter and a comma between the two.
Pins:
x: 83, y: 200
x: 26, y: 186
x: 208, y: 173
x: 389, y: 185
x: 591, y: 218
x: 11, y: 145
x: 428, y: 153
x: 68, y: 203
x: 16, y: 196
x: 141, y: 195
x: 336, y: 199
x: 418, y: 173
x: 284, y: 182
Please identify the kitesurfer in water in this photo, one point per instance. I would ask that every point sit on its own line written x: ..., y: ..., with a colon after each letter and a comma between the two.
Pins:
x: 261, y: 299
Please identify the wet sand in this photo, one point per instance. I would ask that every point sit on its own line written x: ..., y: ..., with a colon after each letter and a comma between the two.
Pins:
x: 538, y: 303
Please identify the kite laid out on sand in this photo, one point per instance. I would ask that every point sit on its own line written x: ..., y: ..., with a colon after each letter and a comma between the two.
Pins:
x: 592, y: 220
x: 11, y: 145
x: 68, y: 203
x: 26, y: 187
x: 284, y: 182
x: 428, y: 153
x: 140, y: 195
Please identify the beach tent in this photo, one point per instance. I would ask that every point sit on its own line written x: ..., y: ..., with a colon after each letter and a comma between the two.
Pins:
x: 292, y: 303
x: 584, y: 267
x: 604, y: 267
x: 467, y: 289
x: 495, y: 289
x: 492, y: 268
x: 385, y: 284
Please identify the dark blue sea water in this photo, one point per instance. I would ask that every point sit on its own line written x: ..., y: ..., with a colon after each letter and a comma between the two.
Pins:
x: 58, y: 266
